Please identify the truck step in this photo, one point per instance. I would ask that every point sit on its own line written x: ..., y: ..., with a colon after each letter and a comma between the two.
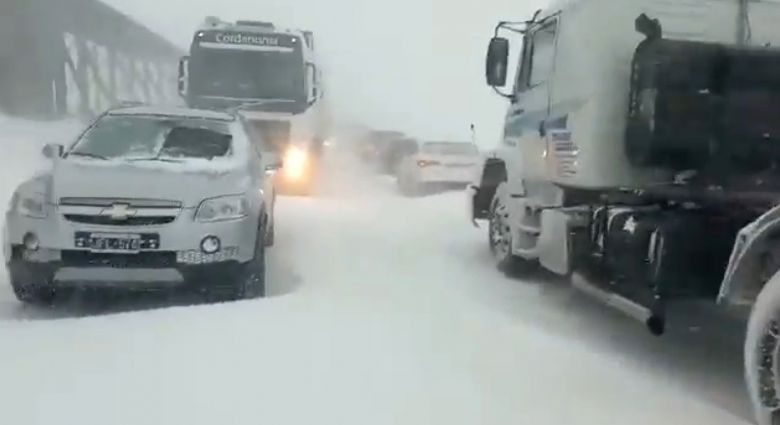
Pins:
x: 529, y: 229
x: 655, y: 324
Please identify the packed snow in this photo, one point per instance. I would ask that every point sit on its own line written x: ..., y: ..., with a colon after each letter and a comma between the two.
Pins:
x: 382, y: 310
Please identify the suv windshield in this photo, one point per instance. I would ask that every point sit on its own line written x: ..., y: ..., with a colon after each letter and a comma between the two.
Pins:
x: 146, y: 137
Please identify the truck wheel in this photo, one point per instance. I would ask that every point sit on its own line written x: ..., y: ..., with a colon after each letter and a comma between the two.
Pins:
x: 500, y: 240
x: 762, y: 354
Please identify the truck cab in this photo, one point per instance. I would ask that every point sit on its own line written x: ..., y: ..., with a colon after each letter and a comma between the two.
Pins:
x: 639, y: 160
x: 272, y: 77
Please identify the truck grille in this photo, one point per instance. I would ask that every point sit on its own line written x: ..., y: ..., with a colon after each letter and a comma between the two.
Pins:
x: 148, y: 260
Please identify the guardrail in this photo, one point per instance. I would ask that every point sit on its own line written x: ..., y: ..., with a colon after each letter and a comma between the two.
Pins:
x: 77, y: 57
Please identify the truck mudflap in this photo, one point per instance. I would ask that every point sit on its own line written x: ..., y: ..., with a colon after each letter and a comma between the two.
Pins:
x: 480, y: 194
x: 744, y: 276
x: 471, y: 193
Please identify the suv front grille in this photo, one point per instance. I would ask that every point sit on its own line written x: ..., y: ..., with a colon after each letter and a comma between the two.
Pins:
x: 107, y: 202
x: 149, y: 260
x: 131, y: 221
x: 119, y: 211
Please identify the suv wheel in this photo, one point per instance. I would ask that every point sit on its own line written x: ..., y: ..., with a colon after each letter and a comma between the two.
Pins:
x: 32, y: 293
x: 247, y: 283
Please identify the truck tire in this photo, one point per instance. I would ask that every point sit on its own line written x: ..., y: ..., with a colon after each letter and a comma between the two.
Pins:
x: 500, y: 241
x: 762, y: 354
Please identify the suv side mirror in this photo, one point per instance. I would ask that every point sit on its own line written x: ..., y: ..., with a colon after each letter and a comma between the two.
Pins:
x: 53, y: 151
x: 184, y: 65
x: 497, y: 62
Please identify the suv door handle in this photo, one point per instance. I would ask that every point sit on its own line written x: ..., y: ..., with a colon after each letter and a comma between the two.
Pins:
x: 518, y: 112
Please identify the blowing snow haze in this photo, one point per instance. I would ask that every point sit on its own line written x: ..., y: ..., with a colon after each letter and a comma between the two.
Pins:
x: 416, y: 65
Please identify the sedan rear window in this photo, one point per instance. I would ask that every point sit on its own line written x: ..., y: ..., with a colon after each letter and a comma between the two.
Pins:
x: 450, y: 148
x: 140, y: 137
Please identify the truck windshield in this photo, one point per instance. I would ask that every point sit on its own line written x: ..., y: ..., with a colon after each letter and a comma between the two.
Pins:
x: 245, y: 74
x: 142, y: 137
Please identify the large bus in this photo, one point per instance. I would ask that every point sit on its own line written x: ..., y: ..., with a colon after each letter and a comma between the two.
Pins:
x: 270, y: 74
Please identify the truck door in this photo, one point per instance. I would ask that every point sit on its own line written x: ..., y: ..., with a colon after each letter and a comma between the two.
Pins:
x: 525, y: 132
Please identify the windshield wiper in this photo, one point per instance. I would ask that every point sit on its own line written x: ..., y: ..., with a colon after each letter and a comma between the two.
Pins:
x: 154, y: 158
x: 249, y: 101
x: 88, y: 155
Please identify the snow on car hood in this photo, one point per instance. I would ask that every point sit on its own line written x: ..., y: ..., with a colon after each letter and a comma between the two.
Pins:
x: 189, y: 182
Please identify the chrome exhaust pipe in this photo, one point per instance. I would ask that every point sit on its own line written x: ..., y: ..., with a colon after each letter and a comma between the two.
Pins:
x: 655, y: 323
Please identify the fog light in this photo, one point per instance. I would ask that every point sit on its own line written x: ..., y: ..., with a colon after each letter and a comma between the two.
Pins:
x: 210, y: 244
x: 31, y: 242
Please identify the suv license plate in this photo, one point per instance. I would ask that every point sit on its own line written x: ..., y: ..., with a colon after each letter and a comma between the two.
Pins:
x: 109, y: 242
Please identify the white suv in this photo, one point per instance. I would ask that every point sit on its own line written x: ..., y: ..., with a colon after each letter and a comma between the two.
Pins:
x: 146, y: 198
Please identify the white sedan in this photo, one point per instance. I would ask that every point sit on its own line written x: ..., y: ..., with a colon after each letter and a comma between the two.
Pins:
x: 436, y: 165
x: 144, y: 199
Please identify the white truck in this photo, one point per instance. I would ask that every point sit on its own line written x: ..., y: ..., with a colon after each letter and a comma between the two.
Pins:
x: 273, y: 76
x: 641, y: 157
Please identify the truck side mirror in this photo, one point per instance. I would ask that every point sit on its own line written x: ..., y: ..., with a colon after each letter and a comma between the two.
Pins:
x: 313, y: 81
x: 184, y: 65
x: 497, y: 62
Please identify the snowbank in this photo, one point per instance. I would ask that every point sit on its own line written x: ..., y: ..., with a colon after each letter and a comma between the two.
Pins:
x: 386, y: 311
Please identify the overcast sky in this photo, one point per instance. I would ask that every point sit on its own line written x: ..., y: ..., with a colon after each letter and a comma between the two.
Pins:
x: 415, y: 65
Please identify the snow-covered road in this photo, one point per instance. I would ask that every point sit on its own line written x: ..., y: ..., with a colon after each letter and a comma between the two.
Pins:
x: 383, y: 310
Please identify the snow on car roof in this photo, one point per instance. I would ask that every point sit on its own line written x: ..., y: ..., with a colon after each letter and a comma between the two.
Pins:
x: 174, y: 112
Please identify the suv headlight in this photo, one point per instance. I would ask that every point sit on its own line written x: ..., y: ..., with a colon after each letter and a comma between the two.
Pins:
x: 30, y: 205
x: 222, y: 208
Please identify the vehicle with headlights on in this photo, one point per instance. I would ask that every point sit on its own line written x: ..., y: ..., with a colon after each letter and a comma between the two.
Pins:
x: 145, y: 199
x: 436, y: 166
x: 301, y: 164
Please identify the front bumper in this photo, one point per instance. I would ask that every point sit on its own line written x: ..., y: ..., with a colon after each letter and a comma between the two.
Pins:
x: 177, y: 260
x: 147, y: 272
x: 442, y: 174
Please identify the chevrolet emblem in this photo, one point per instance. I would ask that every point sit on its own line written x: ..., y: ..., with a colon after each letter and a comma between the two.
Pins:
x: 119, y: 212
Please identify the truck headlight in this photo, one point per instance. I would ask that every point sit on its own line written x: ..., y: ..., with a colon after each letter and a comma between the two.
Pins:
x: 221, y: 209
x: 30, y: 205
x: 295, y: 162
